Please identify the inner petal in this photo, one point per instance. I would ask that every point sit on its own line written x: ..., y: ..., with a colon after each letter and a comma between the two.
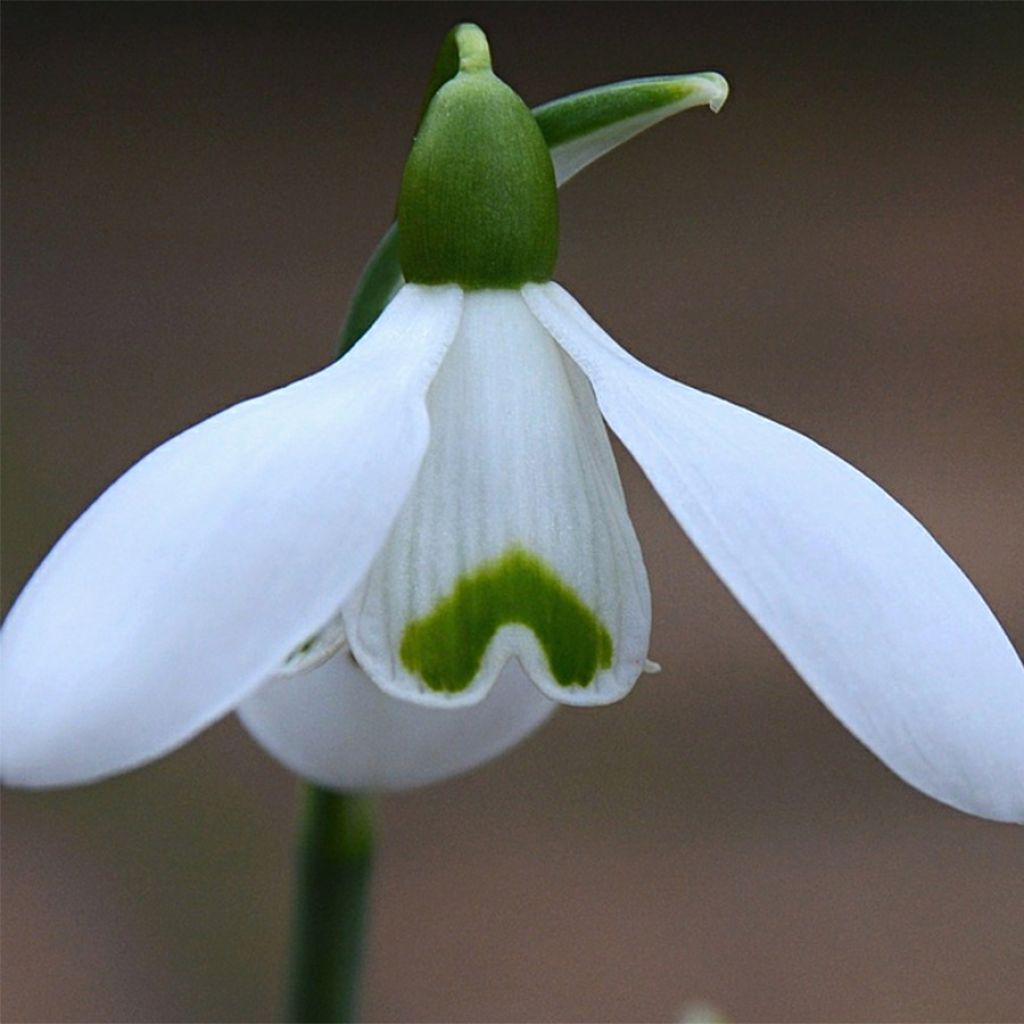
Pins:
x: 515, y: 541
x: 316, y: 648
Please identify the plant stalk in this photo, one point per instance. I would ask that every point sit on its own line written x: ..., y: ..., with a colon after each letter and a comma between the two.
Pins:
x: 333, y: 880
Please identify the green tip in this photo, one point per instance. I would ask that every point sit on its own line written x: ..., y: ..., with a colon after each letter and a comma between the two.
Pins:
x: 465, y: 48
x: 478, y: 205
x: 472, y: 46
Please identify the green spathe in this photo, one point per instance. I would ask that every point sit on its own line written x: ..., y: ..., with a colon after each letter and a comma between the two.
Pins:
x: 577, y: 129
x: 446, y: 647
x: 609, y: 106
x: 478, y: 206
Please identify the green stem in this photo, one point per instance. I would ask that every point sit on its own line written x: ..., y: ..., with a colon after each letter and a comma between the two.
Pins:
x: 381, y: 278
x: 333, y: 880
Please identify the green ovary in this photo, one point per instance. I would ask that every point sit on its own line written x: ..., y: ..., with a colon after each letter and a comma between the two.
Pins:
x: 446, y: 647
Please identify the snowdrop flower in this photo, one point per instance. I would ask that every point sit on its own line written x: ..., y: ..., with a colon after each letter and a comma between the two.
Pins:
x: 397, y: 567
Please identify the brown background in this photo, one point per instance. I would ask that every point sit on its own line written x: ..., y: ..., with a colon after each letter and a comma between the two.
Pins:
x: 190, y: 193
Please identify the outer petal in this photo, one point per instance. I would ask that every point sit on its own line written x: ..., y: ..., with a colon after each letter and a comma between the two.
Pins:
x: 194, y: 576
x: 337, y: 728
x: 515, y: 541
x: 852, y: 589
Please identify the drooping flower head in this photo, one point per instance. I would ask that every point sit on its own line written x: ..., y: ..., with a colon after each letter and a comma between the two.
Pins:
x: 397, y: 567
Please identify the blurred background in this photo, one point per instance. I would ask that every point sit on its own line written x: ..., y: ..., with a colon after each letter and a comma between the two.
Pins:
x: 190, y: 193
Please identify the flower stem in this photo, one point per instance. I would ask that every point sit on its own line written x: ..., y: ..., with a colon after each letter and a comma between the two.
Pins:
x: 333, y: 879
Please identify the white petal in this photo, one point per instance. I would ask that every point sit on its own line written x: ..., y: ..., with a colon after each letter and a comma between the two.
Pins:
x: 708, y: 88
x: 336, y: 728
x: 517, y: 517
x: 195, y: 575
x: 852, y: 589
x: 317, y: 648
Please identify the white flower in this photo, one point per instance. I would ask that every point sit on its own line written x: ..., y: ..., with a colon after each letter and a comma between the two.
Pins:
x: 457, y: 457
x: 395, y: 568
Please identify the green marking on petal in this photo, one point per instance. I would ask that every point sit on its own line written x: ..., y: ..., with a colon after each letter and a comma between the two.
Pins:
x: 446, y: 647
